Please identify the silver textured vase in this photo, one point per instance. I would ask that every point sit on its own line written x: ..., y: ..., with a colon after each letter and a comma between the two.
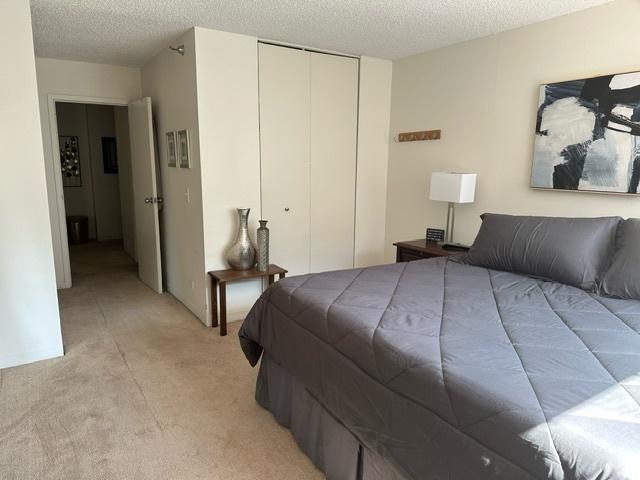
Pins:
x: 262, y: 239
x: 242, y: 254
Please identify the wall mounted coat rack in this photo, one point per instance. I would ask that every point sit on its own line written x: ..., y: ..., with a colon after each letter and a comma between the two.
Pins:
x: 418, y: 136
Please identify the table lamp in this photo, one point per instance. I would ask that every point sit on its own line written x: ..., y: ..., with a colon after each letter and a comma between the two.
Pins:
x: 452, y: 188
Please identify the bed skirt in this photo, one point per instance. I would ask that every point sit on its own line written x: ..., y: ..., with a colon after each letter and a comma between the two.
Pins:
x: 330, y: 446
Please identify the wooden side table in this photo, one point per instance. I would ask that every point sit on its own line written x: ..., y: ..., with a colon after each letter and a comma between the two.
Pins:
x: 419, y: 249
x: 220, y: 278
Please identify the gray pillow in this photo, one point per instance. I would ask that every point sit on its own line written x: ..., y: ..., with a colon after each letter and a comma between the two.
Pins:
x: 622, y: 280
x: 573, y: 251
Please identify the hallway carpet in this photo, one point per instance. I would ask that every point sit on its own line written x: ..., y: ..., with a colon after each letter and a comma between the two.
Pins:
x: 145, y: 391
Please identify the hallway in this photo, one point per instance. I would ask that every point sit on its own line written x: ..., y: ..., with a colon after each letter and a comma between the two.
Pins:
x: 145, y: 391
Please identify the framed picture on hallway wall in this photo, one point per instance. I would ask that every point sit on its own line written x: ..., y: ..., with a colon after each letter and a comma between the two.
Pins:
x: 171, y: 149
x: 110, y: 155
x: 588, y: 135
x: 70, y: 161
x: 184, y: 154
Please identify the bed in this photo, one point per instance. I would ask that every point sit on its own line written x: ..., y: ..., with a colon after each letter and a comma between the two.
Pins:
x: 435, y: 369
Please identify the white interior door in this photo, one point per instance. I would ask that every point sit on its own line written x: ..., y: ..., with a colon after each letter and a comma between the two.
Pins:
x: 145, y: 193
x: 334, y: 125
x: 284, y: 143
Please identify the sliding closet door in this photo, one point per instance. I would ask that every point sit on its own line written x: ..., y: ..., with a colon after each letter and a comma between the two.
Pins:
x: 333, y: 118
x: 284, y: 144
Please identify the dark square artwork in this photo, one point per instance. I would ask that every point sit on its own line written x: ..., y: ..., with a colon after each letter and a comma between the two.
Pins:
x: 587, y: 135
x: 109, y: 155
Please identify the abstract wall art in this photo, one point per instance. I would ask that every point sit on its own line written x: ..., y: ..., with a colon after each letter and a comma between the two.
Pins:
x: 70, y: 161
x: 588, y: 135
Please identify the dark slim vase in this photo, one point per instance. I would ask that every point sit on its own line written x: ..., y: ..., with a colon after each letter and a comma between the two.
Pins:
x: 262, y: 237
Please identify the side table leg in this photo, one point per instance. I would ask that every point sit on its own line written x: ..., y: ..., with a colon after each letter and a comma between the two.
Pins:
x: 271, y: 278
x: 223, y: 309
x: 281, y: 276
x: 214, y: 304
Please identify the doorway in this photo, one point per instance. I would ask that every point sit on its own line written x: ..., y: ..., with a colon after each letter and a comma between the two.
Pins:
x: 105, y: 169
x: 95, y: 163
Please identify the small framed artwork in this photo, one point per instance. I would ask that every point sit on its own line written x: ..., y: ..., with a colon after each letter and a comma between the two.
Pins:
x: 171, y: 149
x: 184, y: 154
x: 435, y: 235
x: 110, y: 155
x: 70, y: 161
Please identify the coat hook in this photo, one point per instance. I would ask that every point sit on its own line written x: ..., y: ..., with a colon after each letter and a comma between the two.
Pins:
x: 418, y: 136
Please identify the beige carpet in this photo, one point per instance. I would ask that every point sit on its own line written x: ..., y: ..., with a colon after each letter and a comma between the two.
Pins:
x: 145, y: 391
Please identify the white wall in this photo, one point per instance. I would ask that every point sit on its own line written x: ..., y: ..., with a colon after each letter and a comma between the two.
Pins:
x: 29, y: 319
x: 483, y: 95
x: 121, y: 118
x: 227, y: 78
x: 373, y: 156
x: 170, y: 80
x: 63, y: 77
x: 106, y: 189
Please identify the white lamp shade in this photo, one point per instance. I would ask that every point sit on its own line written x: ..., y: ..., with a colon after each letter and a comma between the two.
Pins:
x: 453, y: 187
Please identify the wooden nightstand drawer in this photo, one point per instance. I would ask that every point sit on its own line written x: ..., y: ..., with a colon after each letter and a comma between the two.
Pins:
x: 421, y: 249
x: 403, y: 255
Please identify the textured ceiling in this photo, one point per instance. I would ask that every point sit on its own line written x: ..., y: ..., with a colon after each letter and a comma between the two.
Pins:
x: 130, y: 32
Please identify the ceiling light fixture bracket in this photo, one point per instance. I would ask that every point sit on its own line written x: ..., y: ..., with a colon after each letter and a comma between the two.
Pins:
x: 179, y: 49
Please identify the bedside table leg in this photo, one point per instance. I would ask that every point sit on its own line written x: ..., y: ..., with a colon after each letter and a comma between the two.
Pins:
x: 223, y: 309
x: 214, y: 304
x: 271, y: 278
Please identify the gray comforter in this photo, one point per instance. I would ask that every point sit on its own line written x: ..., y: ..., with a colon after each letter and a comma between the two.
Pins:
x: 457, y: 372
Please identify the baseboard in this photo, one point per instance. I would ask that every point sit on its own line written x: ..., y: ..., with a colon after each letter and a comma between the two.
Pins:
x: 7, y: 361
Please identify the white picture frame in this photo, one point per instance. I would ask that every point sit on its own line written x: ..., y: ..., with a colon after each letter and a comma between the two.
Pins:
x: 172, y: 158
x: 184, y: 151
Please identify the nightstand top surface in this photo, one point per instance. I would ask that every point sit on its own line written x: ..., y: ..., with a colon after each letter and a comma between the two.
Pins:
x: 230, y: 275
x: 430, y: 248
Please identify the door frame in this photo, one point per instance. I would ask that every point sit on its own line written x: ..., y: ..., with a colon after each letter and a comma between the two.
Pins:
x: 58, y: 208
